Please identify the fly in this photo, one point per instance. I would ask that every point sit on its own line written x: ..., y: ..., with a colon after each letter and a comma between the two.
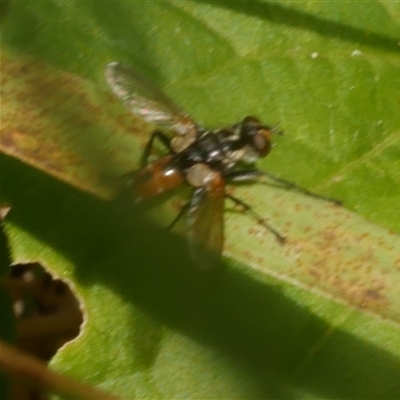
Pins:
x: 205, y: 159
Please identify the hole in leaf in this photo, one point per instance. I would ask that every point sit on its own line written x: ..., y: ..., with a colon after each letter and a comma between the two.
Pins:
x: 47, y: 311
x: 47, y: 315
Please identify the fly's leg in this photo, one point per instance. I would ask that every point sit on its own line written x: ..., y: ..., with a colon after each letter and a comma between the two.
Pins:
x: 292, y: 186
x: 260, y: 220
x: 251, y: 175
x: 182, y: 211
x: 243, y: 176
x: 129, y: 177
x: 162, y: 137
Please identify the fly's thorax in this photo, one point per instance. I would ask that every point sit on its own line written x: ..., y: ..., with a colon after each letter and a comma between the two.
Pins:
x: 235, y: 147
x: 217, y: 147
x: 201, y: 174
x: 229, y: 139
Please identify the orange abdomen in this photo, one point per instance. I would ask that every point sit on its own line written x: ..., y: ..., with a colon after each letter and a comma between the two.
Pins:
x: 156, y: 178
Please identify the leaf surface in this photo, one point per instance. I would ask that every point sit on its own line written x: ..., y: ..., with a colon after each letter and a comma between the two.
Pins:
x: 318, y: 317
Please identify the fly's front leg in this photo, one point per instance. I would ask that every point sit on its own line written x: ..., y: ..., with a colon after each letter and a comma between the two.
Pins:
x: 162, y: 137
x: 243, y: 176
x: 292, y: 186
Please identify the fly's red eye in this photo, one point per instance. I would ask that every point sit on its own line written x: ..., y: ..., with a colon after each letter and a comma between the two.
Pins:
x: 262, y: 142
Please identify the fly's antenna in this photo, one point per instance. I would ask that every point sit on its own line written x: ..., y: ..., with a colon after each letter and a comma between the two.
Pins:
x: 276, y: 131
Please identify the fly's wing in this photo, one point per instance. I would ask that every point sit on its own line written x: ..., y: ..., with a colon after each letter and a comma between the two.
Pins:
x: 206, y: 224
x: 143, y: 99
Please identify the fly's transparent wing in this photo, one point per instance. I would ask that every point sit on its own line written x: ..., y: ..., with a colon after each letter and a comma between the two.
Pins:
x: 143, y: 99
x: 206, y: 224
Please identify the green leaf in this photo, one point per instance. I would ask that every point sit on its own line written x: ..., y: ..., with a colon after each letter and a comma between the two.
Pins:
x: 302, y: 320
x: 7, y: 320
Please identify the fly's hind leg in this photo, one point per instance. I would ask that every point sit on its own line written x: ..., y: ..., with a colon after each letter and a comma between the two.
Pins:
x: 182, y: 211
x: 129, y: 177
x: 162, y: 137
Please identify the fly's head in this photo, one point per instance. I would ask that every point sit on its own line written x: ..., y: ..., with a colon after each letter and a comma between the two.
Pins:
x: 257, y: 138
